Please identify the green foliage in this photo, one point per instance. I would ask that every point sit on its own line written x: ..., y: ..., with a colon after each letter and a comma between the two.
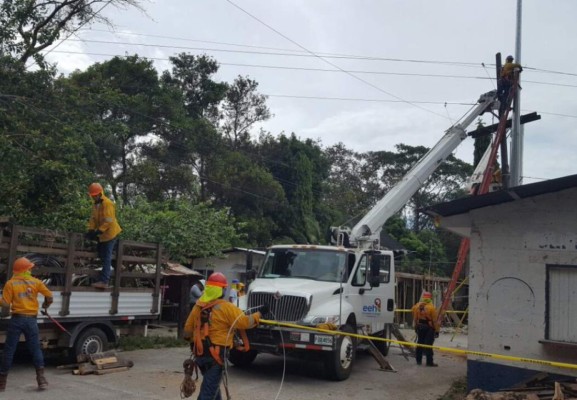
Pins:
x: 28, y: 27
x: 185, y: 230
x: 131, y: 343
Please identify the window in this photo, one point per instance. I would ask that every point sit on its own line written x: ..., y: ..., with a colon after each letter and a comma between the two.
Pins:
x: 561, y: 318
x: 361, y: 273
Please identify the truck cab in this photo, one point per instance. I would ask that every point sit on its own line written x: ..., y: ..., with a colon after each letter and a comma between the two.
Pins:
x: 330, y: 287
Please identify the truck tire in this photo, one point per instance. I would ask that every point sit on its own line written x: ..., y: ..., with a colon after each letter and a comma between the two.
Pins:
x: 90, y: 341
x: 339, y: 363
x: 383, y: 347
x: 242, y: 358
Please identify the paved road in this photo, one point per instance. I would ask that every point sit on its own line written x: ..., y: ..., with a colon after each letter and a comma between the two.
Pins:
x: 157, y: 374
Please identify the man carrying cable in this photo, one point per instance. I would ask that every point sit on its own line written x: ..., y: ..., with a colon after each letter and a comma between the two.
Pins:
x: 210, y: 329
x: 426, y: 327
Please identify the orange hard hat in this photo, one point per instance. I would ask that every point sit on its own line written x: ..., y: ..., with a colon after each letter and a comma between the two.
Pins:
x: 426, y: 295
x: 95, y: 189
x: 217, y: 279
x: 22, y: 264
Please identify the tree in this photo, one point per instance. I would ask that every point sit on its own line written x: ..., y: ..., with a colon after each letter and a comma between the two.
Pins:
x: 185, y: 230
x: 120, y: 95
x: 42, y: 151
x: 345, y: 193
x: 27, y: 27
x: 242, y: 108
x: 302, y: 169
x: 250, y: 191
x: 192, y: 77
x: 383, y: 170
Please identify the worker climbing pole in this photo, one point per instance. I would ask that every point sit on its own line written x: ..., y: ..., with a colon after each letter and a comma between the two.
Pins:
x: 508, y: 86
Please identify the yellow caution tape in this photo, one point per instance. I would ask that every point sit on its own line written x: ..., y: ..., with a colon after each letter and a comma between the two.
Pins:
x: 446, y: 312
x: 445, y: 349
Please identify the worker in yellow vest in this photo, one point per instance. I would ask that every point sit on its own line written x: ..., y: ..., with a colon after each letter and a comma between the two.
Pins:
x: 210, y: 329
x: 426, y: 327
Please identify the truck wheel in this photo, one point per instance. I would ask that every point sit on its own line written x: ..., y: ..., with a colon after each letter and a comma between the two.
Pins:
x: 90, y: 341
x: 383, y: 347
x: 242, y: 358
x: 339, y: 363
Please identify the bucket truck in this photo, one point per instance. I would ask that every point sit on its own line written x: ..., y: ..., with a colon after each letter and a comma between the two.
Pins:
x: 349, y: 285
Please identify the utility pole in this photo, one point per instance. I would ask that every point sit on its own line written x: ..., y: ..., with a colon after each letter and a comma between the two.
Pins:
x: 517, y: 129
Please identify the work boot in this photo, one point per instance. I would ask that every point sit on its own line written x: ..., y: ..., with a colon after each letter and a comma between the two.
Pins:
x: 432, y: 365
x: 42, y: 382
x: 3, y: 378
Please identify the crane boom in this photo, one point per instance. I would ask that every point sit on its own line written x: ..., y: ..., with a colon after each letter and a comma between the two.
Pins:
x: 367, y: 230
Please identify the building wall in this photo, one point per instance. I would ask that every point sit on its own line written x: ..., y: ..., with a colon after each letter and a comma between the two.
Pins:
x: 232, y: 264
x: 511, y: 245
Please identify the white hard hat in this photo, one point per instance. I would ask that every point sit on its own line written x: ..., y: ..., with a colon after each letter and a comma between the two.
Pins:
x: 203, y: 281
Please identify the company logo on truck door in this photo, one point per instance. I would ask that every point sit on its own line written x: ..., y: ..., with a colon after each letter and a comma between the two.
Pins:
x: 374, y: 308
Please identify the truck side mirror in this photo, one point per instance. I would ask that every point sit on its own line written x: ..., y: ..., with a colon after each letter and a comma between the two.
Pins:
x: 251, y: 275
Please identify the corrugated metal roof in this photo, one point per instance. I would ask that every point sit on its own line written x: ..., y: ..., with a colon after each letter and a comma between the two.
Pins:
x: 467, y: 204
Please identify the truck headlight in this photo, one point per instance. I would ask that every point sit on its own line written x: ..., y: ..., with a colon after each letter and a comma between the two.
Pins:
x: 324, y: 319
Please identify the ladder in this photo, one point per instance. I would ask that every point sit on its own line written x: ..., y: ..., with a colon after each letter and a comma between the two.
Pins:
x: 482, y: 189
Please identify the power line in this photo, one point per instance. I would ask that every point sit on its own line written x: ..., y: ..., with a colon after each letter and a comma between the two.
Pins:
x: 343, y: 55
x: 282, y: 67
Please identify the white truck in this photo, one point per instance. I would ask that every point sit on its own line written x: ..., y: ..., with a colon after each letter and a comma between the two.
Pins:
x: 350, y: 284
x: 82, y: 319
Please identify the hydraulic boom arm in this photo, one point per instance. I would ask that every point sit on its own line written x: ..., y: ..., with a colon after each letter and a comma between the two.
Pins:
x: 369, y: 227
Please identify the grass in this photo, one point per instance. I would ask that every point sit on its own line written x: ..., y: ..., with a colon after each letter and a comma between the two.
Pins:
x: 457, y: 391
x: 129, y: 343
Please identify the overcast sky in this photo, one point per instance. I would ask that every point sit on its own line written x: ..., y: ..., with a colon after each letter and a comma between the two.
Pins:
x: 379, y: 107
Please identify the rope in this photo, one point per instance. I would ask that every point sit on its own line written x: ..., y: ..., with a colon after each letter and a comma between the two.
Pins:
x: 188, y: 385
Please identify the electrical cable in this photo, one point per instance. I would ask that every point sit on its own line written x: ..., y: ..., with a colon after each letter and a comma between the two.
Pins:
x: 333, y: 64
x: 232, y: 327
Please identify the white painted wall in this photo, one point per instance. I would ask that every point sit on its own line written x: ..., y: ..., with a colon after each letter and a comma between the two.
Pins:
x: 511, y: 244
x: 231, y: 264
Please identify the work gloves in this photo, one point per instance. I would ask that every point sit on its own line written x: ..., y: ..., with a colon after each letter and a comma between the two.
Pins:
x: 263, y: 309
x: 46, y: 303
x: 436, y: 335
x: 92, y: 234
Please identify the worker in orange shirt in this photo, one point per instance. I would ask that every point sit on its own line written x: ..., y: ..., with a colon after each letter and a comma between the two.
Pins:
x: 506, y: 79
x: 210, y: 328
x: 21, y: 295
x: 426, y: 327
x: 104, y: 228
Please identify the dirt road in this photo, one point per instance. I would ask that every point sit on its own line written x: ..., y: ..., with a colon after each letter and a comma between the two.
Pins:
x: 157, y: 374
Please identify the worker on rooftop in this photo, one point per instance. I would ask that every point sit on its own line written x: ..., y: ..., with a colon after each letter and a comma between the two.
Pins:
x: 426, y: 327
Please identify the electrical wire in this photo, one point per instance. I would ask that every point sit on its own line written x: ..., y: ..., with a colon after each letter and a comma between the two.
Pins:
x: 282, y: 67
x: 331, y: 63
x: 340, y: 55
x: 232, y: 327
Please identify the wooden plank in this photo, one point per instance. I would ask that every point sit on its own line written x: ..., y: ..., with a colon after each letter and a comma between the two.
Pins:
x: 107, y: 360
x: 111, y: 370
x: 87, y: 368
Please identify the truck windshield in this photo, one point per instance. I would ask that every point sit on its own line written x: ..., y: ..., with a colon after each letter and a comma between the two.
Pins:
x: 305, y: 264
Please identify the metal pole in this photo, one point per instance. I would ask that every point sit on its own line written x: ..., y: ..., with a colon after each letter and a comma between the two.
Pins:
x: 516, y: 132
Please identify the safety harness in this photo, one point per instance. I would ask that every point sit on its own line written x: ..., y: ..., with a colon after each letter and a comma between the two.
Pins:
x: 424, y: 316
x: 202, y: 344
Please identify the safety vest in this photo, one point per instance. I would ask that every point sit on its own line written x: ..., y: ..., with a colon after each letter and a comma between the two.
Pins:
x: 202, y: 343
x: 424, y: 316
